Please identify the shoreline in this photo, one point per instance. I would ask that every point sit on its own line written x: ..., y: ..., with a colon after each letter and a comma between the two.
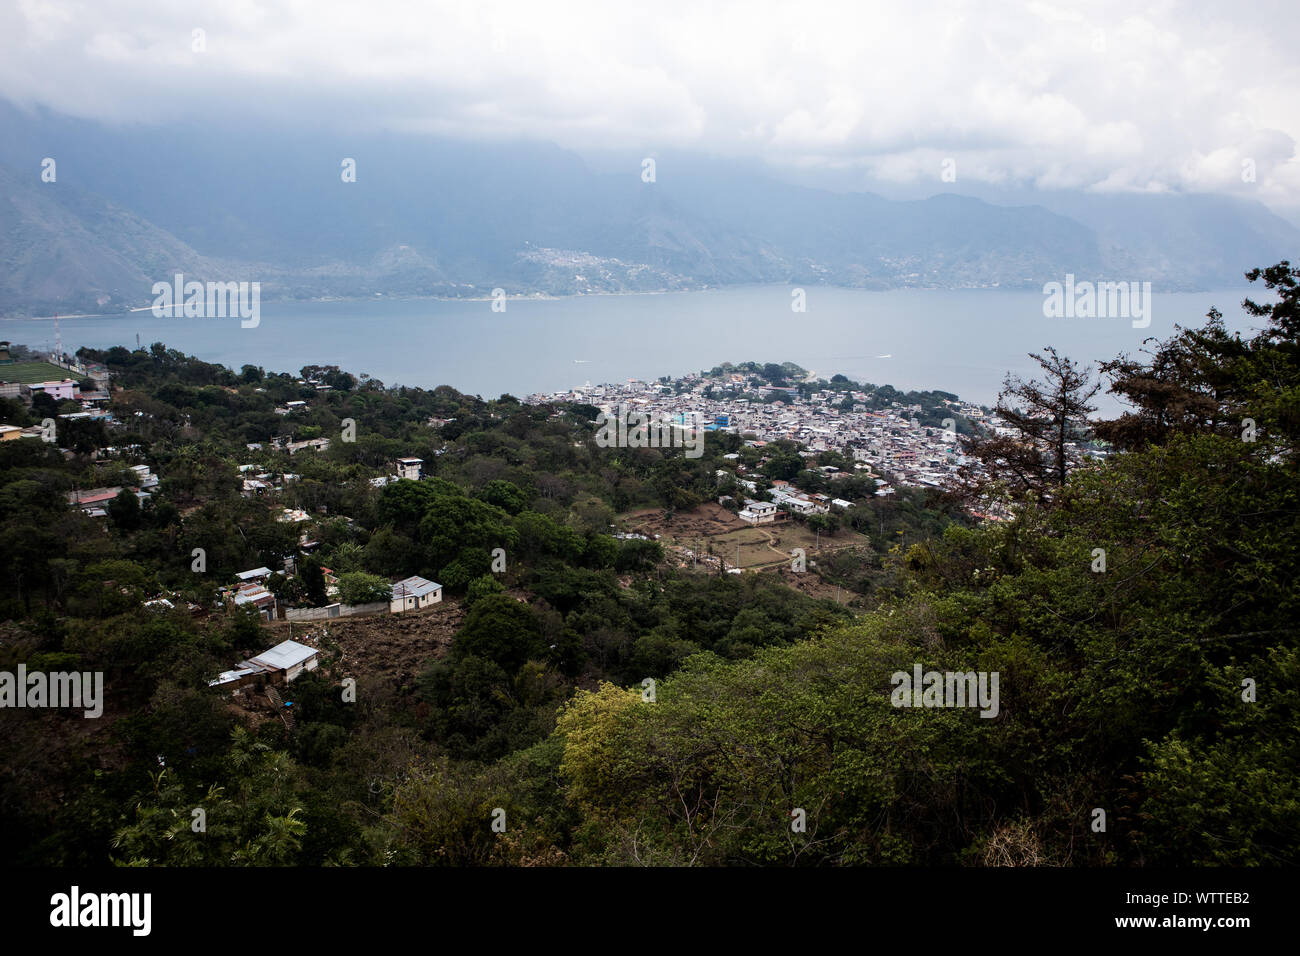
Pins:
x: 548, y: 297
x: 516, y: 297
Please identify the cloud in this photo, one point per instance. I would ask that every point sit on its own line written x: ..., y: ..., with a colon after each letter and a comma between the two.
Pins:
x: 1128, y: 95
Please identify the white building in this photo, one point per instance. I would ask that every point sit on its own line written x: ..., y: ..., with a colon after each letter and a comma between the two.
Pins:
x: 287, y: 660
x: 413, y: 593
x: 758, y: 512
x: 280, y: 664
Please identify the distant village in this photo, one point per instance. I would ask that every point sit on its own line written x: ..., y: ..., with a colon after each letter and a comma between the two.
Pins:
x: 889, y: 440
x: 880, y: 438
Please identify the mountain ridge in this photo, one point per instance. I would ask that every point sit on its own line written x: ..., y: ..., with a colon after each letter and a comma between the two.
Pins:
x: 442, y: 218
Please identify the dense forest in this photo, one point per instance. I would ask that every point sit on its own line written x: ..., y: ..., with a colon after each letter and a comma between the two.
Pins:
x: 609, y: 705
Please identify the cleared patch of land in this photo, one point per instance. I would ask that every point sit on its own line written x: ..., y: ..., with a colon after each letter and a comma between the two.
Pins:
x: 389, y: 647
x: 716, y: 534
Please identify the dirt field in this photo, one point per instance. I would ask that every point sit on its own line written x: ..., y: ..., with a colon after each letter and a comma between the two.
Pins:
x: 812, y: 585
x: 392, y: 647
x: 716, y: 532
x: 709, y: 518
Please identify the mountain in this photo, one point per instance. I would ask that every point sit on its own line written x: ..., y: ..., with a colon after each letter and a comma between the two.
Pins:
x: 65, y: 249
x: 433, y: 217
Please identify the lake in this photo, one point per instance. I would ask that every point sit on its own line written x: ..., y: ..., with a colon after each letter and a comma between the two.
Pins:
x: 962, y: 341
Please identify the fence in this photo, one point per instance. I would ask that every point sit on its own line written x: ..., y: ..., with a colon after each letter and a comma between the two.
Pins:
x: 334, y: 610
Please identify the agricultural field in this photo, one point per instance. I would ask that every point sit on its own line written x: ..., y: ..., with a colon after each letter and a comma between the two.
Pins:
x: 717, y: 533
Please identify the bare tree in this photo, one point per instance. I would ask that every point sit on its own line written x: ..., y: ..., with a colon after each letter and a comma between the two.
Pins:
x: 1045, y: 419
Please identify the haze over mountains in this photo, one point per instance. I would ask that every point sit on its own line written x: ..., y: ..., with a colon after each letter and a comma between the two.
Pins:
x: 133, y: 205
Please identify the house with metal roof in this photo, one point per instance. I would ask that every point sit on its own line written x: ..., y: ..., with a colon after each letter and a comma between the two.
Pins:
x: 413, y: 593
x: 287, y: 660
x: 257, y: 596
x: 279, y: 665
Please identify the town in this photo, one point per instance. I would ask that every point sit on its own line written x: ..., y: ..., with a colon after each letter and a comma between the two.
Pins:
x: 885, y: 436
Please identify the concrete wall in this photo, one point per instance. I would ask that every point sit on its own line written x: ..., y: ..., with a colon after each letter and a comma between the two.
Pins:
x: 334, y: 610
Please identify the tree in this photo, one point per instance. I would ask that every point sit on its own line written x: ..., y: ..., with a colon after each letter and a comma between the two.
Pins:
x: 506, y: 495
x: 44, y: 406
x: 358, y: 587
x: 637, y: 555
x: 1046, y: 418
x: 251, y: 820
x: 500, y: 629
x: 1184, y: 387
x: 390, y: 553
x: 1210, y: 381
x: 314, y: 581
x: 827, y: 523
x: 124, y: 510
x: 480, y: 588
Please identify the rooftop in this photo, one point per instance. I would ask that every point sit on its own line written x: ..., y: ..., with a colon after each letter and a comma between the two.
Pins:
x: 285, y: 655
x: 414, y: 586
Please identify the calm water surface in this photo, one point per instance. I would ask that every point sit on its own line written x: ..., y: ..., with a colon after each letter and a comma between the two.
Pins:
x: 962, y: 341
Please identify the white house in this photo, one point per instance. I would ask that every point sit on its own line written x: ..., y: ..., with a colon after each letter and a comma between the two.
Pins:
x: 413, y: 593
x: 145, y: 476
x: 758, y: 512
x: 280, y: 664
x: 805, y: 506
x: 287, y: 660
x: 257, y: 596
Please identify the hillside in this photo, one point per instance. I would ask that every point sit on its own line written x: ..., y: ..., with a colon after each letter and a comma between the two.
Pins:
x: 1105, y: 677
x: 63, y: 249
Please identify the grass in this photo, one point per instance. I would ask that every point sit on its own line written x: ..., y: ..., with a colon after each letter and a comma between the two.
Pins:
x: 27, y: 373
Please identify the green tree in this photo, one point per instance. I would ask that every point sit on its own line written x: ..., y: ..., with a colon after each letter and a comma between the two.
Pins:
x: 499, y: 629
x: 314, y: 583
x: 358, y: 587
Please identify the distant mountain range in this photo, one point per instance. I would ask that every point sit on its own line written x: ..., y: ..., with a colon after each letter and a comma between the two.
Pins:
x: 131, y: 206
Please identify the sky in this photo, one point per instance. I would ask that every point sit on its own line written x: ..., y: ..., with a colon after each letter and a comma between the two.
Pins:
x: 1106, y: 96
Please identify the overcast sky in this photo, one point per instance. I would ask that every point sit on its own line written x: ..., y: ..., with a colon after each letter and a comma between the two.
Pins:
x: 1117, y: 96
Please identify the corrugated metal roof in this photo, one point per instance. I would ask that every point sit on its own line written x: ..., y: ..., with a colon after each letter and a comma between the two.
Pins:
x: 252, y: 594
x: 414, y: 586
x: 227, y: 676
x: 285, y: 655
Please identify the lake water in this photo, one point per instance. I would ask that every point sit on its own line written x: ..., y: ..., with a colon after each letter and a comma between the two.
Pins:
x: 962, y: 341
